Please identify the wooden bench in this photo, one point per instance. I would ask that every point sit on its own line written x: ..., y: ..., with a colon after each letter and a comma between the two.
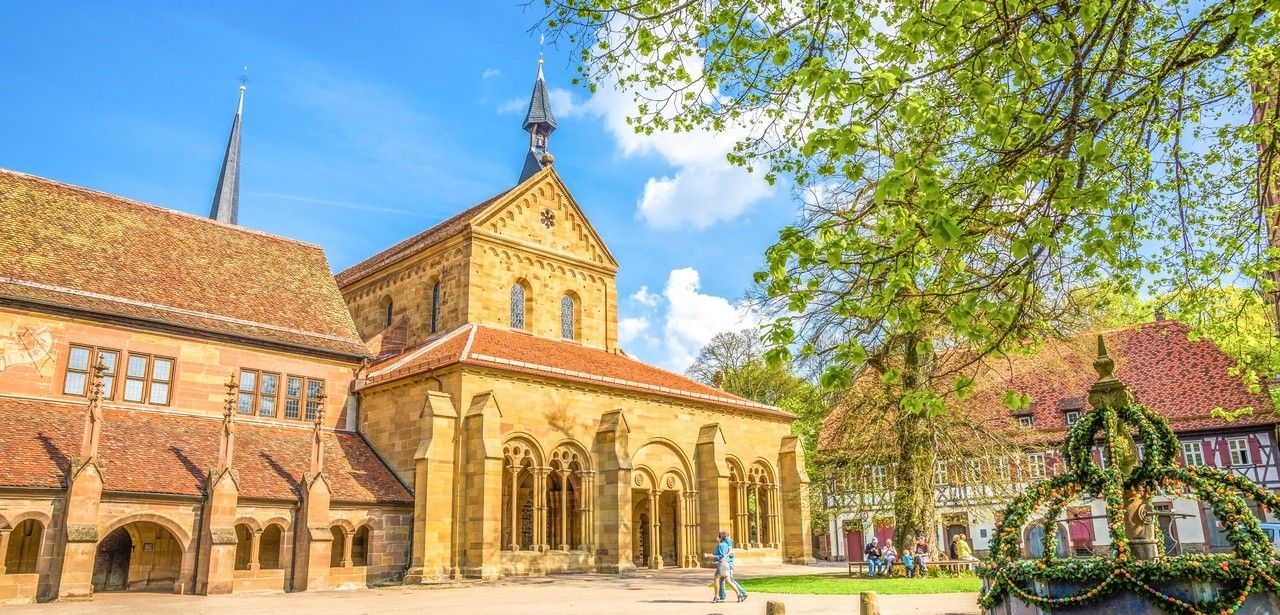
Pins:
x: 949, y: 565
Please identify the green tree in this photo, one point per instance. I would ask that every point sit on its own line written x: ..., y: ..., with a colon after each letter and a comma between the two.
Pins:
x: 984, y: 157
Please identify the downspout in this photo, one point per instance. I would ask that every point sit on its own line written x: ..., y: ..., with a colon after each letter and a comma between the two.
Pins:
x: 195, y: 568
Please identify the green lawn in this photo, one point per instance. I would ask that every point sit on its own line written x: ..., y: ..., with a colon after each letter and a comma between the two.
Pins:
x: 839, y: 584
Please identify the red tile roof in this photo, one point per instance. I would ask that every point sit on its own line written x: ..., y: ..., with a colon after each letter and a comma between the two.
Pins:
x: 1180, y: 379
x: 416, y: 244
x: 148, y: 452
x: 515, y: 351
x: 77, y: 248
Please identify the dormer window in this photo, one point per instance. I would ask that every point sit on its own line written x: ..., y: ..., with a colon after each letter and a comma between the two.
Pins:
x: 1026, y: 420
x: 1071, y: 417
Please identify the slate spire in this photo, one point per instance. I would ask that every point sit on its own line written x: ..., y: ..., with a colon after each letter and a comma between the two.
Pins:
x: 539, y: 123
x: 226, y: 197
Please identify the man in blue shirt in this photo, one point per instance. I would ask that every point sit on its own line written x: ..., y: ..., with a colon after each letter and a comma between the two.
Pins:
x: 723, y: 558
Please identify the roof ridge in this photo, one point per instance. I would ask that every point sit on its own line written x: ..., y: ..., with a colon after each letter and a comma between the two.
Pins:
x: 161, y: 208
x: 170, y: 308
x: 401, y: 248
x: 727, y: 396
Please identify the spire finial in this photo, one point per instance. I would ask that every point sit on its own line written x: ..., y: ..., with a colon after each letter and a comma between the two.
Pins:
x: 542, y: 40
x: 1107, y: 391
x: 244, y: 82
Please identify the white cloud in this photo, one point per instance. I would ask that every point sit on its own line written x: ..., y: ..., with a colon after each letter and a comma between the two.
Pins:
x: 693, y: 318
x: 490, y: 73
x: 631, y: 328
x: 704, y: 188
x: 644, y: 297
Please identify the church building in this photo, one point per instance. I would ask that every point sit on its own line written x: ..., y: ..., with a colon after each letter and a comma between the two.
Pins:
x: 192, y: 406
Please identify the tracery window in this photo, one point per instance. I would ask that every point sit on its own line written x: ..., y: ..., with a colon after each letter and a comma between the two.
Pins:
x: 519, y: 470
x: 435, y: 307
x: 567, y: 308
x: 566, y: 500
x: 519, y: 306
x: 761, y: 507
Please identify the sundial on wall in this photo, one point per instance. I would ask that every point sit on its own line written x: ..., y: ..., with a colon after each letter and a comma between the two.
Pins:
x: 25, y: 345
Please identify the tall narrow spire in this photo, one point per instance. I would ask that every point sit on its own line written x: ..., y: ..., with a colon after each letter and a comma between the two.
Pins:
x: 539, y: 123
x: 226, y: 197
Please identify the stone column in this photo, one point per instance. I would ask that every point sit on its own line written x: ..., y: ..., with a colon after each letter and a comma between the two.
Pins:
x: 515, y: 507
x: 793, y: 527
x: 218, y: 528
x: 586, y: 491
x: 540, y: 509
x: 753, y: 489
x: 775, y: 526
x: 712, y: 485
x: 255, y: 545
x: 563, y: 517
x: 612, y: 507
x: 744, y: 521
x: 84, y: 492
x: 482, y: 493
x: 4, y: 545
x: 347, y: 539
x: 433, y: 478
x: 313, y: 542
x: 692, y: 557
x: 655, y: 531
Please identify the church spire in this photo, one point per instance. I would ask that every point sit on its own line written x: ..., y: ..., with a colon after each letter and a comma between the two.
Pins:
x: 539, y: 123
x: 226, y: 197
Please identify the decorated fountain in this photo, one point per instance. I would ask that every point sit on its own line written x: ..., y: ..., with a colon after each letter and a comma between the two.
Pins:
x: 1136, y: 576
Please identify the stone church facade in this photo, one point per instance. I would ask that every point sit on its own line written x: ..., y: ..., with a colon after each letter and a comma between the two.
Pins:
x: 188, y: 405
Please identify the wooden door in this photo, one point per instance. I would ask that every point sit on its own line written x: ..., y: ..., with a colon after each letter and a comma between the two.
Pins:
x: 853, y: 545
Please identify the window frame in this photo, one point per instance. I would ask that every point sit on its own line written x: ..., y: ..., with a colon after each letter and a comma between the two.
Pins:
x: 1037, y: 466
x: 148, y: 378
x: 523, y: 312
x: 1067, y: 417
x: 257, y: 394
x: 1026, y: 420
x: 1199, y: 453
x: 95, y: 352
x: 1245, y: 455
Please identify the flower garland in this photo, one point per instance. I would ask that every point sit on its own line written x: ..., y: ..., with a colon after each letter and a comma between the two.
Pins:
x: 1251, y: 566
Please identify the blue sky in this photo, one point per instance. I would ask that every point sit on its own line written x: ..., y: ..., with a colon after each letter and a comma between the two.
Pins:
x: 366, y: 123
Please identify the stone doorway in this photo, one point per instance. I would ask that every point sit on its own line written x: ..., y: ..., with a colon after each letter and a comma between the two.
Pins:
x: 140, y: 556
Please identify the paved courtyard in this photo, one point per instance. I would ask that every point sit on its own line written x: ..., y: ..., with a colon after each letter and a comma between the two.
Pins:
x: 667, y: 592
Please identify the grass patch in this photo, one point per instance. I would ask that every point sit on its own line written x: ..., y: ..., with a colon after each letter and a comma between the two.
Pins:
x: 831, y: 584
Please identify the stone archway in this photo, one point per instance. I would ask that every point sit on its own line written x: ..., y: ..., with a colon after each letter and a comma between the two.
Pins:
x: 138, y: 556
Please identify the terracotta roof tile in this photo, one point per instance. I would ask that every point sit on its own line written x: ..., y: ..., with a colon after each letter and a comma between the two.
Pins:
x: 147, y: 452
x: 77, y: 248
x: 416, y: 244
x: 521, y: 352
x: 1179, y: 379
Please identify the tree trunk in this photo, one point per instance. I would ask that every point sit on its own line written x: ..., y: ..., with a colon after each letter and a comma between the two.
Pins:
x: 913, y: 500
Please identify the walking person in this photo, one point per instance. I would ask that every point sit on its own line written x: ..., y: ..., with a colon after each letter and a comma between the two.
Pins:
x: 921, y: 557
x: 872, y: 551
x: 723, y: 559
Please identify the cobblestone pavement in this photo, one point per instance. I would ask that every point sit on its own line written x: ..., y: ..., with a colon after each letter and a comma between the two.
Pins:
x: 684, y: 592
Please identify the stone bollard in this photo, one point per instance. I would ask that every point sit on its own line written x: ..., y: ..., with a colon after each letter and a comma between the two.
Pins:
x: 868, y: 600
x: 775, y: 608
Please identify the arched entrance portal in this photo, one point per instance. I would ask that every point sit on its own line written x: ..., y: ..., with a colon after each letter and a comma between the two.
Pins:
x: 139, y: 556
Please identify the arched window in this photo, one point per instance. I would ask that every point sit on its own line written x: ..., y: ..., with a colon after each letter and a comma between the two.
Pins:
x: 244, y: 546
x: 519, y: 476
x: 360, y: 547
x: 269, y: 548
x: 435, y: 307
x: 567, y: 509
x: 24, y: 548
x: 336, y: 553
x: 567, y: 325
x: 519, y: 306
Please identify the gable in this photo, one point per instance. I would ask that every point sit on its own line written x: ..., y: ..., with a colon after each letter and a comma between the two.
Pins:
x: 541, y: 214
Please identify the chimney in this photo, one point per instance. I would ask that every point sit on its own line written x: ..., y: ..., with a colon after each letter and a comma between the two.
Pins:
x: 1159, y: 314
